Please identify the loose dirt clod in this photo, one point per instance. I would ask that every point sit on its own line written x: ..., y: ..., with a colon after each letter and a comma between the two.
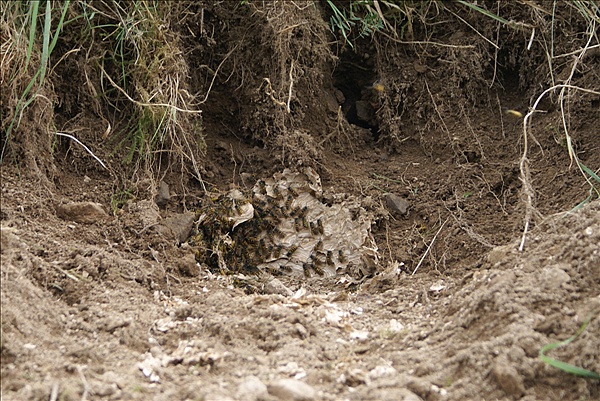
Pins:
x: 292, y: 390
x: 507, y: 377
x: 81, y: 212
x: 252, y: 389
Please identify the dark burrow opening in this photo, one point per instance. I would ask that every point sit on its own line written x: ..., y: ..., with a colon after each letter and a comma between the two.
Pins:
x: 356, y: 79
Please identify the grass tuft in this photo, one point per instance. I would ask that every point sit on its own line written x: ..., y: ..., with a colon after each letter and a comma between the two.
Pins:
x: 141, y: 72
x: 367, y: 17
x: 12, y: 53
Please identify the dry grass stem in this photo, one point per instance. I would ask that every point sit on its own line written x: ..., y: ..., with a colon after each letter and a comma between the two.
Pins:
x: 291, y: 86
x: 143, y: 104
x: 82, y: 145
x: 429, y: 247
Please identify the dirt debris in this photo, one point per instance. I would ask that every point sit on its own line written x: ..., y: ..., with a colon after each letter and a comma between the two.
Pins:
x: 395, y: 342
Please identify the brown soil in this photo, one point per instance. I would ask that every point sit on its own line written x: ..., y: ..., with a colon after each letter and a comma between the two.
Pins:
x: 118, y: 309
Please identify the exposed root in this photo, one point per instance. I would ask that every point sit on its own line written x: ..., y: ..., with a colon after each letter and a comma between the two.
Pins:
x: 528, y: 192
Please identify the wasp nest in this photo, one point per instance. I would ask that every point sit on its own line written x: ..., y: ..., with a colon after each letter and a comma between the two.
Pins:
x: 282, y: 227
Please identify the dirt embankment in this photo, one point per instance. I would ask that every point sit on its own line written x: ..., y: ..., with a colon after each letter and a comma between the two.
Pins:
x: 131, y: 281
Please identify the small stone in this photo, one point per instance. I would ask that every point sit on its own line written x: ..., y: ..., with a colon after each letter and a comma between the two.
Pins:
x: 301, y: 330
x: 180, y: 226
x: 364, y: 111
x: 507, y: 377
x: 339, y: 95
x: 396, y: 203
x: 118, y: 379
x: 113, y: 323
x: 187, y: 265
x: 34, y: 391
x: 104, y: 389
x: 252, y: 389
x: 146, y: 211
x: 356, y: 377
x: 275, y: 286
x: 381, y: 371
x: 183, y: 312
x: 156, y: 352
x: 403, y: 394
x: 163, y: 195
x: 419, y: 386
x: 221, y: 145
x: 81, y: 212
x: 420, y: 68
x: 331, y: 102
x: 386, y: 394
x: 292, y: 390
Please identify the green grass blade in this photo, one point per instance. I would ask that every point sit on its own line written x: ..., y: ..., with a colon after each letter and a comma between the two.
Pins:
x: 46, y: 40
x: 484, y: 12
x: 59, y: 26
x: 340, y: 21
x: 590, y: 172
x: 572, y: 369
x: 566, y: 367
x: 48, y: 46
x: 32, y: 14
x: 588, y: 9
x: 582, y: 203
